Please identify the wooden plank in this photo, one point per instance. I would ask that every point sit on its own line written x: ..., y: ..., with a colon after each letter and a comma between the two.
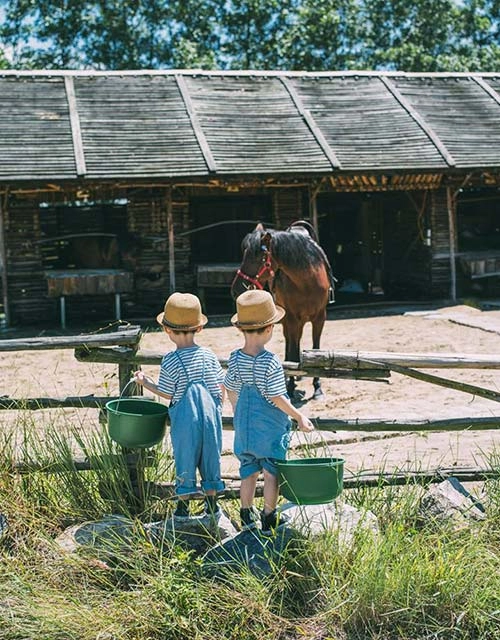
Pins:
x: 3, y: 262
x: 171, y: 242
x: 95, y: 463
x: 309, y: 120
x: 443, y: 382
x: 198, y: 131
x: 486, y: 87
x: 482, y: 423
x: 419, y: 120
x: 76, y: 132
x: 318, y: 358
x: 34, y: 404
x: 126, y: 337
x: 451, y: 205
x: 166, y: 491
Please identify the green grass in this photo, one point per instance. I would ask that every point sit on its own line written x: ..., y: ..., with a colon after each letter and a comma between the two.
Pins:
x: 408, y: 582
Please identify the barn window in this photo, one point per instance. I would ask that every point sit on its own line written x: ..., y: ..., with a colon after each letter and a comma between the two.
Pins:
x: 67, y: 230
x: 479, y: 221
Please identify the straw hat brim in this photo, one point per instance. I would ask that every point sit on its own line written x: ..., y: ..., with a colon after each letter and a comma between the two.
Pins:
x: 160, y: 319
x: 275, y: 318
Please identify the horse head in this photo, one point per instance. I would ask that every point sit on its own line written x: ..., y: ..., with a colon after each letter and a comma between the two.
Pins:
x: 257, y: 266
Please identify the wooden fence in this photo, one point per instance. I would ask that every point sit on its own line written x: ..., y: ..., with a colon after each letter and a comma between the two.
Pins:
x: 122, y: 347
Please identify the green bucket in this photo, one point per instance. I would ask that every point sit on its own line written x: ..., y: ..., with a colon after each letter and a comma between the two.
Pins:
x: 136, y: 423
x: 311, y: 480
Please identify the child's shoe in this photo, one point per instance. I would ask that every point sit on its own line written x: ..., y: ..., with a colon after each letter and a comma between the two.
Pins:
x: 272, y: 520
x: 248, y: 518
x: 211, y: 507
x: 182, y: 509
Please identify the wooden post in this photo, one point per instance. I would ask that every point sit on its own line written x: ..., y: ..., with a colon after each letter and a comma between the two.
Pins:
x: 314, y: 189
x: 171, y: 240
x: 3, y: 261
x: 450, y: 201
x: 62, y: 311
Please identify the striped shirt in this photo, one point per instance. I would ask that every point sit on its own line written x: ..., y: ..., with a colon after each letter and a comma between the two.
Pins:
x: 200, y: 365
x: 264, y: 371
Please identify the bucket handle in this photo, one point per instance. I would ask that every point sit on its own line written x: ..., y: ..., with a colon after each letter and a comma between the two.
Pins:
x: 122, y: 392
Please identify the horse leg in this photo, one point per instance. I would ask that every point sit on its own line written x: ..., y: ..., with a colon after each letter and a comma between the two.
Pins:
x: 317, y: 328
x: 292, y: 330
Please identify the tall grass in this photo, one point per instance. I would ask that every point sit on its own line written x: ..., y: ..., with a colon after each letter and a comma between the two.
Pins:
x: 408, y: 582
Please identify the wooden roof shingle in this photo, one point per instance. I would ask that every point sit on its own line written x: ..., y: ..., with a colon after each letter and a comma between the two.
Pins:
x: 188, y: 124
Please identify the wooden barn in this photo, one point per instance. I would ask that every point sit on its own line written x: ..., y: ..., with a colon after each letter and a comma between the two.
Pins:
x: 118, y: 187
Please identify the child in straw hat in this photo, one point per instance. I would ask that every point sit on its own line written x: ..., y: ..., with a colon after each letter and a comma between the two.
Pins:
x: 256, y: 386
x: 191, y: 378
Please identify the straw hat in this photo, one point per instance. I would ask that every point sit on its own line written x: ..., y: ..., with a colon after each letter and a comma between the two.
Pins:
x: 183, y: 312
x: 256, y: 309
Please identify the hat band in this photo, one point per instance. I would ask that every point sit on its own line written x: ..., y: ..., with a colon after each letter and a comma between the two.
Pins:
x: 179, y: 326
x: 254, y: 322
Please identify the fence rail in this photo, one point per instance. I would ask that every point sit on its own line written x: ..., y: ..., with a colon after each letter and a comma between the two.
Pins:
x: 122, y: 347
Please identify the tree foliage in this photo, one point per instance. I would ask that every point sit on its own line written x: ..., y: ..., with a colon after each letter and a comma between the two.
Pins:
x: 311, y: 35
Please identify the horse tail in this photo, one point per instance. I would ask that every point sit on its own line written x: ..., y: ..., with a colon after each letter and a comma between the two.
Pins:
x: 331, y: 277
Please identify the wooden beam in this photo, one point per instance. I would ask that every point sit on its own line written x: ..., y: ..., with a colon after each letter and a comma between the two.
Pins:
x: 311, y: 123
x: 166, y: 491
x: 195, y: 123
x: 318, y: 358
x: 3, y: 260
x: 429, y: 132
x: 76, y: 133
x: 489, y: 89
x: 127, y: 337
x: 78, y: 464
x: 452, y: 235
x: 171, y: 241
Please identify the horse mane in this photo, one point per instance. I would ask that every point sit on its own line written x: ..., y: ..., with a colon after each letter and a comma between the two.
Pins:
x: 296, y: 250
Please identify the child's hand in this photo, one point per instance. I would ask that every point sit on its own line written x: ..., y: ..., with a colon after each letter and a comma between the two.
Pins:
x: 304, y: 424
x: 141, y: 378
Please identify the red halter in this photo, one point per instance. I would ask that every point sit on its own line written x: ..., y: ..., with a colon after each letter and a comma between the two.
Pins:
x: 254, y: 280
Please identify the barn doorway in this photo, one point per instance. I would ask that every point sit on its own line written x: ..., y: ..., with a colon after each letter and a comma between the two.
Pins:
x: 351, y: 230
x: 88, y: 259
x: 219, y: 226
x: 478, y: 226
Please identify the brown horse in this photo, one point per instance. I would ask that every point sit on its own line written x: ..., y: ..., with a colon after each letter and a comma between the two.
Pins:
x: 297, y: 272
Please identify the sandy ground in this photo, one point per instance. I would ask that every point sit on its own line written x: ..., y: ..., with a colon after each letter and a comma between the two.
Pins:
x: 458, y: 329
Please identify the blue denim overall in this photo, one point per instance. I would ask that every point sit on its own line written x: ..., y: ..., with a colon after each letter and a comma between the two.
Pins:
x: 196, y: 434
x: 262, y: 432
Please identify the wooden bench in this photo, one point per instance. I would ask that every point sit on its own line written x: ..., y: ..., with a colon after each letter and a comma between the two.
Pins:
x: 211, y: 276
x: 81, y: 282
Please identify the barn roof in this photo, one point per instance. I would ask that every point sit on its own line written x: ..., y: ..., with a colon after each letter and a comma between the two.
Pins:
x: 62, y: 125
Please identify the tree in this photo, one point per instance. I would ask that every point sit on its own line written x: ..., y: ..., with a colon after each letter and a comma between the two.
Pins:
x: 252, y: 32
x: 4, y: 63
x: 109, y: 34
x: 479, y: 38
x: 310, y: 35
x: 410, y: 36
x: 325, y: 35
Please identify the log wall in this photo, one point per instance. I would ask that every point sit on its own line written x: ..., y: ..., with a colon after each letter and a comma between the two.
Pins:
x: 440, y: 272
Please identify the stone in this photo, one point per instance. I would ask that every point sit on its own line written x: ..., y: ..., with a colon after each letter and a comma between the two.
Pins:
x: 4, y: 526
x: 111, y: 533
x: 197, y: 533
x: 259, y: 552
x: 313, y: 520
x: 450, y: 503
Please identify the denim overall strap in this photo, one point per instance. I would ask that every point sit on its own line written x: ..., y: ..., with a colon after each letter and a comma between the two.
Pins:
x: 261, y: 429
x: 196, y: 434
